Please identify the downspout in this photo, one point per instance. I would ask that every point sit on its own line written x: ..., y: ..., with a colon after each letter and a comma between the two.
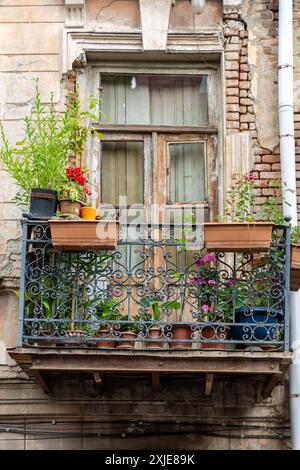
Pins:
x: 288, y: 178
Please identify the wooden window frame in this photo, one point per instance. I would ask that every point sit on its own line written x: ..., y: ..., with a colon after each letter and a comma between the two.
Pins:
x: 209, y: 133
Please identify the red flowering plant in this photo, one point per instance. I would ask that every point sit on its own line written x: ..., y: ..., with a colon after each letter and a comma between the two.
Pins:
x: 214, y: 296
x: 76, y: 185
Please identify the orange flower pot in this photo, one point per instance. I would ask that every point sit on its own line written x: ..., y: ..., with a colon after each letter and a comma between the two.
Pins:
x: 181, y: 332
x: 218, y: 333
x: 88, y: 213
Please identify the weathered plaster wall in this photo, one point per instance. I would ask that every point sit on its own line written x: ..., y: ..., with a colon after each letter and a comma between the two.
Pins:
x: 104, y: 15
x: 127, y: 414
x: 30, y: 43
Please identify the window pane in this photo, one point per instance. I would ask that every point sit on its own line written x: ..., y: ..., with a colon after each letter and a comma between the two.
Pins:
x: 122, y: 172
x: 155, y: 100
x: 187, y: 172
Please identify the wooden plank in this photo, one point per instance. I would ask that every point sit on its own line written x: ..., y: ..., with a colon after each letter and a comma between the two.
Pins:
x: 153, y: 364
x: 29, y: 352
x: 155, y: 382
x: 209, y: 380
x: 150, y: 129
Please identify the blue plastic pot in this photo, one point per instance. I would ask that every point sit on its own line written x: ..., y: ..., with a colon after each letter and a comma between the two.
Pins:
x: 253, y: 315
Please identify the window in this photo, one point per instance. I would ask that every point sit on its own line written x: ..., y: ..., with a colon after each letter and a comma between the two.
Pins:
x: 160, y: 144
x: 122, y: 172
x: 157, y: 100
x: 187, y: 172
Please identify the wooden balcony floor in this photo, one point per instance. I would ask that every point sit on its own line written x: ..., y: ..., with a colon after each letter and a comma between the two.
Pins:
x: 39, y: 362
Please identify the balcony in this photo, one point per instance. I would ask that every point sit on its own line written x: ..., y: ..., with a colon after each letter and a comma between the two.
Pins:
x: 155, y: 305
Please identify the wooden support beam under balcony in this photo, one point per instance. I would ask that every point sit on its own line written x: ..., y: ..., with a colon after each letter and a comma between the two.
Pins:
x: 40, y: 362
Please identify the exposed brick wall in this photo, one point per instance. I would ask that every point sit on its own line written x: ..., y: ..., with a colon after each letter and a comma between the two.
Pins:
x: 240, y: 103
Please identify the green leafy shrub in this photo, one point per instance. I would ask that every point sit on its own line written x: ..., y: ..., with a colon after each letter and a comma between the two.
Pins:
x: 50, y: 137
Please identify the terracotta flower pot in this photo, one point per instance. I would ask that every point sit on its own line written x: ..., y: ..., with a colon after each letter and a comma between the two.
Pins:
x: 129, y: 336
x: 82, y: 235
x: 210, y: 333
x: 295, y: 268
x: 238, y: 237
x: 105, y: 344
x: 78, y: 335
x: 88, y: 213
x: 181, y: 332
x: 68, y: 207
x: 155, y: 332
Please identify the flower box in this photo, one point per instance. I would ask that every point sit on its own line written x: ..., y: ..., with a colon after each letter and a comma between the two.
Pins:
x: 295, y: 268
x: 238, y: 237
x: 83, y: 235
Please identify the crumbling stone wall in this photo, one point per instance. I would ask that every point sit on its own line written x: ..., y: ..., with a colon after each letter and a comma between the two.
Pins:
x: 251, y: 61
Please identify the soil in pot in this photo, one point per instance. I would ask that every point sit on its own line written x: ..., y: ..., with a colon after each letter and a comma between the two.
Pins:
x: 108, y: 343
x: 252, y: 316
x: 210, y: 333
x: 155, y: 332
x: 128, y: 342
x: 181, y: 332
x: 68, y: 207
x: 43, y: 204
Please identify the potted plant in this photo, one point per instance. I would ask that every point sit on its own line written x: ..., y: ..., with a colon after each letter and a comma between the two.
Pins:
x: 180, y: 331
x: 215, y: 307
x: 295, y: 259
x: 257, y: 310
x: 37, y: 162
x: 74, y: 191
x: 78, y: 332
x: 128, y: 331
x: 106, y: 312
x: 155, y: 330
x: 240, y: 231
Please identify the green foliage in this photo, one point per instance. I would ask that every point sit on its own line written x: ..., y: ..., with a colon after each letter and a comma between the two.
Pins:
x: 271, y: 210
x: 39, y: 160
x: 240, y: 206
x: 295, y: 235
x: 130, y: 326
x: 241, y: 202
x: 71, y: 191
x: 157, y: 306
x: 106, y: 310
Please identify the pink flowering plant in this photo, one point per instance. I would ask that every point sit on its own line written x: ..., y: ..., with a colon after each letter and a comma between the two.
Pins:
x: 214, y: 296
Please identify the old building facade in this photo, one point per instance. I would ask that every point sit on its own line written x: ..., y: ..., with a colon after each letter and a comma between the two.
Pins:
x: 96, y: 43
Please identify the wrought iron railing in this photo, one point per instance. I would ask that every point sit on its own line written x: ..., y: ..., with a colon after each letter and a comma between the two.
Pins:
x: 153, y: 293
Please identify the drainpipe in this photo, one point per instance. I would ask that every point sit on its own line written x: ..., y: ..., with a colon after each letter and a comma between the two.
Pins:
x: 288, y: 178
